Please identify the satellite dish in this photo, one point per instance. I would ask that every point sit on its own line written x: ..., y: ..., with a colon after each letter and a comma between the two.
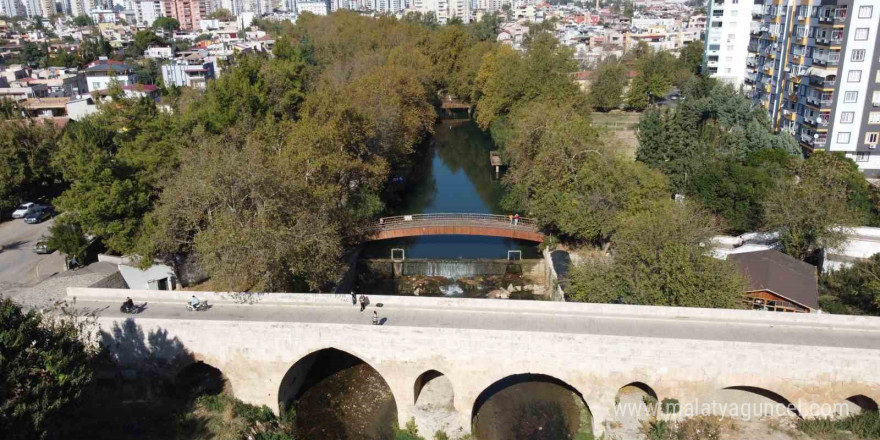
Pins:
x: 819, y: 120
x: 816, y: 136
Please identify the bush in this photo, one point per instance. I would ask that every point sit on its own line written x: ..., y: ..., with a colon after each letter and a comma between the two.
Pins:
x: 253, y: 413
x: 440, y: 435
x: 865, y: 425
x: 697, y: 428
x: 213, y: 403
x: 670, y: 406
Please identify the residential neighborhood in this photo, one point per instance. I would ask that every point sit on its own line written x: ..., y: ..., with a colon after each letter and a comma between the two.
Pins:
x: 439, y: 219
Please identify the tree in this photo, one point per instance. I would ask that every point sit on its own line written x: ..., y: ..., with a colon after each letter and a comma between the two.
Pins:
x: 166, y: 23
x: 606, y: 91
x: 737, y: 191
x: 561, y: 173
x: 691, y: 56
x: 67, y: 236
x: 661, y: 257
x: 142, y: 40
x: 44, y: 369
x: 811, y: 212
x: 26, y: 149
x: 487, y: 28
x: 222, y: 14
x: 83, y: 21
x: 655, y: 74
x: 508, y: 79
x: 852, y: 289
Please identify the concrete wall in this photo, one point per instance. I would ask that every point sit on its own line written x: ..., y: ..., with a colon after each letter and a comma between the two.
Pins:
x: 256, y: 355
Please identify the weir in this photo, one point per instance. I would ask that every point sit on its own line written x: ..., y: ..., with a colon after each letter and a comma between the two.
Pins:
x: 453, y: 269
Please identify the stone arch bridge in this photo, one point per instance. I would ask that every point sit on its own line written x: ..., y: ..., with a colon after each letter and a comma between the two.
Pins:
x: 259, y: 341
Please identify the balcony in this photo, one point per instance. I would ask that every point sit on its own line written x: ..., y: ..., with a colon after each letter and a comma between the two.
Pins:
x: 757, y: 11
x: 830, y: 59
x: 823, y: 82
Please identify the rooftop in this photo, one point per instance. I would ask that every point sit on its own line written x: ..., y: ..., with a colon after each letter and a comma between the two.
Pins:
x: 781, y: 274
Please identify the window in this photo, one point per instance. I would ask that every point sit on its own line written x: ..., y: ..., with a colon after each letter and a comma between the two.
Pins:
x: 847, y: 117
x: 861, y: 34
x: 850, y: 96
x: 858, y: 55
x: 863, y: 157
x: 854, y: 76
x: 875, y: 99
x: 871, y: 138
x: 874, y: 118
x: 866, y: 11
x: 843, y: 138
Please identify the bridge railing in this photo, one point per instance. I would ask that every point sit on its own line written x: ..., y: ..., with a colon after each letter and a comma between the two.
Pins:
x: 415, y: 220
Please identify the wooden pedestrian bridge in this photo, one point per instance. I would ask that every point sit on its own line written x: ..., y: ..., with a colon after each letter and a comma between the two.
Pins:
x: 489, y: 225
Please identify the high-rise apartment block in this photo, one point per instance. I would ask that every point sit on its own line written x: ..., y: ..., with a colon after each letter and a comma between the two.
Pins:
x: 814, y: 65
x: 727, y: 43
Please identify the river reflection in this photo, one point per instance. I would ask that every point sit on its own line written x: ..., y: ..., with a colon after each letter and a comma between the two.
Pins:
x: 453, y: 176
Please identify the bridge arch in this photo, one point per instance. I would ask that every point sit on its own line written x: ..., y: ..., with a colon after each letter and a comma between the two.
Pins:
x: 637, y: 400
x: 489, y: 225
x: 745, y: 400
x: 200, y: 378
x: 432, y: 389
x: 530, y: 405
x: 346, y: 388
x: 860, y: 403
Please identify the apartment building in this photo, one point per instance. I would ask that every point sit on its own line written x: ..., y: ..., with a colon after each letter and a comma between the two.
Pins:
x: 728, y: 22
x: 813, y: 64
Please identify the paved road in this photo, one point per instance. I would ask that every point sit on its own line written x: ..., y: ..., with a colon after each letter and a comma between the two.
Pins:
x: 19, y: 264
x: 444, y: 317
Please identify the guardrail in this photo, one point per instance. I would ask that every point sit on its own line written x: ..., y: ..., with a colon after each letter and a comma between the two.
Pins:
x: 417, y: 220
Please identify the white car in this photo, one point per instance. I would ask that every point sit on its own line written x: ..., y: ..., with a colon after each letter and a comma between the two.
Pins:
x: 23, y: 210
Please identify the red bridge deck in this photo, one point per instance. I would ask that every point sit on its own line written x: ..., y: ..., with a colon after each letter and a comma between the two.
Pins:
x: 455, y: 224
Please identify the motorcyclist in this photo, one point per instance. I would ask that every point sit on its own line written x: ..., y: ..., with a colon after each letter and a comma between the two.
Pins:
x: 128, y: 305
x: 194, y: 303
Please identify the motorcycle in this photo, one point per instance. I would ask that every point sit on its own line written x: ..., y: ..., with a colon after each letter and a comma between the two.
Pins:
x: 199, y: 308
x: 134, y: 309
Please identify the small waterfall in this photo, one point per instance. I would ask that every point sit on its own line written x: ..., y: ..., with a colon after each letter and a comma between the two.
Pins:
x: 440, y: 268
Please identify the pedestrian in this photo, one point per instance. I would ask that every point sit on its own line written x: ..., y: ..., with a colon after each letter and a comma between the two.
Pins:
x: 354, y: 299
x: 375, y: 317
x: 515, y: 219
x: 363, y: 302
x: 510, y: 218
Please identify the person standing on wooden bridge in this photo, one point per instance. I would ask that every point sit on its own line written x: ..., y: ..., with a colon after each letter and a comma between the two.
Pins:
x: 510, y: 218
x: 515, y: 219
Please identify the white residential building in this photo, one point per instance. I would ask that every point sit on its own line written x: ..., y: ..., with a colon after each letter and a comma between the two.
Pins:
x: 147, y: 11
x: 317, y: 8
x: 727, y: 42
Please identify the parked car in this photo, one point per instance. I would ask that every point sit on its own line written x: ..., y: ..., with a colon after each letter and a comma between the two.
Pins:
x: 42, y: 246
x: 23, y: 210
x: 39, y: 215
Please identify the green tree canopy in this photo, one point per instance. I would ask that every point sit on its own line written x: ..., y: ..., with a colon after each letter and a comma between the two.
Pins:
x: 222, y: 14
x: 661, y: 257
x: 854, y: 289
x: 26, y: 148
x: 83, y: 20
x: 606, y: 90
x: 812, y: 209
x: 44, y: 368
x: 167, y: 23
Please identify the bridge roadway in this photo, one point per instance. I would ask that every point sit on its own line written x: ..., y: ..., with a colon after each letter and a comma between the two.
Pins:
x: 481, y: 315
x: 687, y: 354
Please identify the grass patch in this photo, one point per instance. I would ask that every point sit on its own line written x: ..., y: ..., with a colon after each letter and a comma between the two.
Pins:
x: 861, y: 426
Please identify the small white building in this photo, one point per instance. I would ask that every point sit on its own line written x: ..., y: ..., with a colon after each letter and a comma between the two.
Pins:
x: 157, y: 277
x: 102, y: 73
x: 158, y: 53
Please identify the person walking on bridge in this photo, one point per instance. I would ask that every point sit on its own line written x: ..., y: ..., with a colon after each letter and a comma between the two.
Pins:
x: 375, y: 317
x: 364, y: 301
x: 516, y: 219
x: 510, y: 218
x: 354, y: 299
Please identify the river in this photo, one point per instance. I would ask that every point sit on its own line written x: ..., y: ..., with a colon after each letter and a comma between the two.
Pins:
x: 452, y: 175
